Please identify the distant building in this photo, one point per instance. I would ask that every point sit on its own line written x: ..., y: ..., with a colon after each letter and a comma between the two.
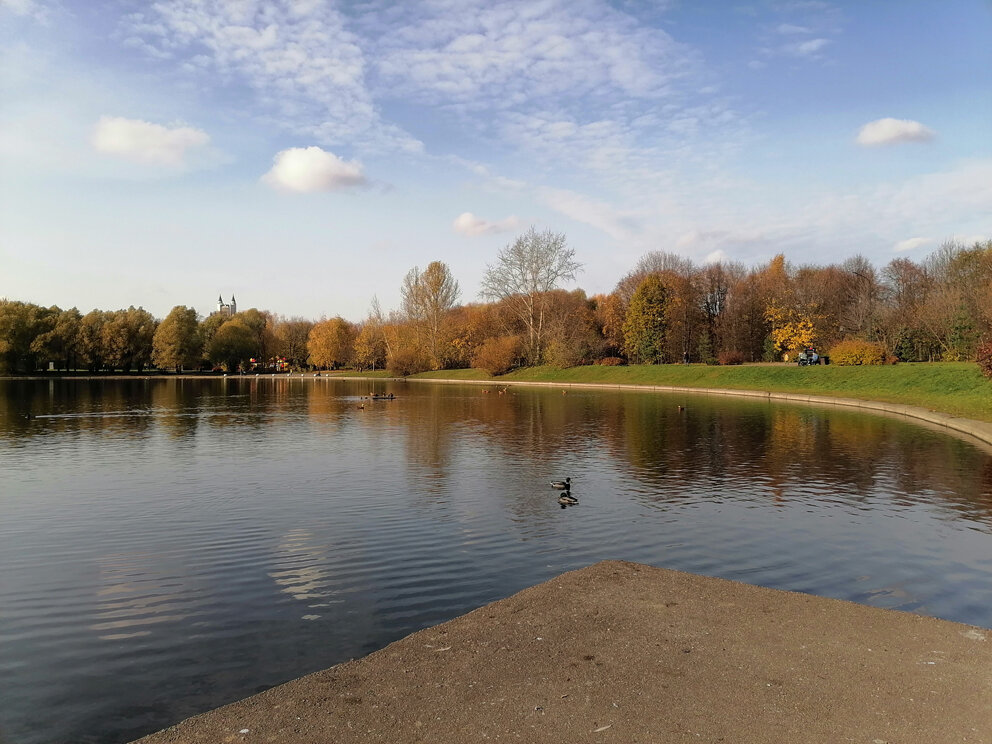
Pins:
x: 227, y: 308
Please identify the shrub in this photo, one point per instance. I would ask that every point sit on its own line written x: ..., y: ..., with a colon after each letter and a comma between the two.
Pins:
x: 730, y: 357
x: 984, y: 357
x: 855, y: 352
x: 497, y: 356
x: 562, y: 355
x: 611, y: 362
x: 406, y: 361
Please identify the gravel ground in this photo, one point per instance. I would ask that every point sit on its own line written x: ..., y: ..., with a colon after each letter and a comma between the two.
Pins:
x: 621, y: 652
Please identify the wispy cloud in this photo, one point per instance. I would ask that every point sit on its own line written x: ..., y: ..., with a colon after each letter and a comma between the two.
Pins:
x: 468, y: 224
x: 310, y: 169
x: 25, y: 8
x: 618, y: 224
x: 508, y: 53
x: 782, y: 35
x: 891, y: 131
x: 306, y: 68
x: 810, y: 48
x: 146, y: 143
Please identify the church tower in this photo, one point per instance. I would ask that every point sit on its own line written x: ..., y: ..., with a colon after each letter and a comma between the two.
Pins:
x: 225, y: 308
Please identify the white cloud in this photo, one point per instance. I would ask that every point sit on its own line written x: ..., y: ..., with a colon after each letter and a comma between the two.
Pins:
x: 717, y: 256
x: 468, y: 224
x: 789, y: 29
x: 147, y: 143
x: 889, y: 131
x: 910, y: 244
x: 810, y: 48
x: 309, y: 169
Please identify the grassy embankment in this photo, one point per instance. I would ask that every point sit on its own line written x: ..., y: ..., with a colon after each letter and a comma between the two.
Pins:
x: 957, y: 388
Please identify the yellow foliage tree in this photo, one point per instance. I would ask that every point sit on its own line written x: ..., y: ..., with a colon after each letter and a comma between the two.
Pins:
x: 331, y: 343
x: 792, y: 328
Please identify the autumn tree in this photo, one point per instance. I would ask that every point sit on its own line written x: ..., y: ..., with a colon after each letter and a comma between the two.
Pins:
x: 717, y: 282
x: 571, y: 332
x: 21, y: 323
x: 90, y: 343
x: 524, y: 273
x: 126, y: 338
x: 60, y: 342
x: 331, y: 343
x: 290, y: 337
x: 261, y: 324
x: 863, y: 292
x: 473, y: 324
x: 611, y: 312
x: 645, y: 327
x: 209, y: 326
x: 372, y: 344
x: 232, y: 344
x: 177, y: 342
x: 428, y: 296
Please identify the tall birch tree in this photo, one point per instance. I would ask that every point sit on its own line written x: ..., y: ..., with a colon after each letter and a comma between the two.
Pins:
x: 524, y: 273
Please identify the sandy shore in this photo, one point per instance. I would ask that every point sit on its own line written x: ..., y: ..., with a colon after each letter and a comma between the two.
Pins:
x: 621, y: 652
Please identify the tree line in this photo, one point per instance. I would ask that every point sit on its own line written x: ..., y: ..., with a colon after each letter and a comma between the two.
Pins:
x: 666, y: 309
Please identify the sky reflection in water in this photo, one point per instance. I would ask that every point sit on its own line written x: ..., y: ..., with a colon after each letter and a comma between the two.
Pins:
x: 169, y: 546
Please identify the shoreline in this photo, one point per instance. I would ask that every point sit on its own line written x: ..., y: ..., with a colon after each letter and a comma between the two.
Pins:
x: 971, y: 430
x: 624, y: 652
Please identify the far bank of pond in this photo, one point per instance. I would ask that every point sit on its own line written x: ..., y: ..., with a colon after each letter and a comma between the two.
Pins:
x: 956, y: 388
x: 953, y: 395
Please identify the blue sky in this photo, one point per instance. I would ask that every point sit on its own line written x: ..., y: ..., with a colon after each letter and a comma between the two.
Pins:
x: 305, y: 154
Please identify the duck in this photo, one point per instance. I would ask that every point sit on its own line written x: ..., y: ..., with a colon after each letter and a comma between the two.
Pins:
x: 565, y: 485
x: 567, y: 499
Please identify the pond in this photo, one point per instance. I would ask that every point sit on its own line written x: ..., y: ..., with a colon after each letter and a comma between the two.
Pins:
x: 168, y: 545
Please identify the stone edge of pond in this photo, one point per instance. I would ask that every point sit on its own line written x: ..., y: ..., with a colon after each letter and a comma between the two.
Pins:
x: 619, y: 652
x: 973, y: 428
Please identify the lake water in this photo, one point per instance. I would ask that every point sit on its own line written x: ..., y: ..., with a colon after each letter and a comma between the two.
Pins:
x: 169, y: 546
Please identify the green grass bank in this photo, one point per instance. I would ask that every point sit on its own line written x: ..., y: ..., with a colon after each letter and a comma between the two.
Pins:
x: 956, y: 388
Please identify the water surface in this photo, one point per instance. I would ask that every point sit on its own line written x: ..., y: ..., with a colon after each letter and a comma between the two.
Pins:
x: 168, y: 546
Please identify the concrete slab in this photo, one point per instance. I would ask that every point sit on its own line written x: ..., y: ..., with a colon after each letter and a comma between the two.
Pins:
x: 621, y: 652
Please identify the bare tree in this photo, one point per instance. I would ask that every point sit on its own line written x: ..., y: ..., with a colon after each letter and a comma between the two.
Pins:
x: 525, y: 271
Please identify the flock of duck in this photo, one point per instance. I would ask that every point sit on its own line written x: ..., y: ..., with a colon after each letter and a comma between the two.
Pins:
x: 566, y: 498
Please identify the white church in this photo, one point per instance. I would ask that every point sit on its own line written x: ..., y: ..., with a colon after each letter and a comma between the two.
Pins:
x: 227, y: 308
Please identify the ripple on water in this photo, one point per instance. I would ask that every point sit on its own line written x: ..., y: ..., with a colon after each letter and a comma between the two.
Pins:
x: 169, y: 549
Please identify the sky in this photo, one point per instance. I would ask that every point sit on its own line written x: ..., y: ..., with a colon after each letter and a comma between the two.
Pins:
x: 304, y: 155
